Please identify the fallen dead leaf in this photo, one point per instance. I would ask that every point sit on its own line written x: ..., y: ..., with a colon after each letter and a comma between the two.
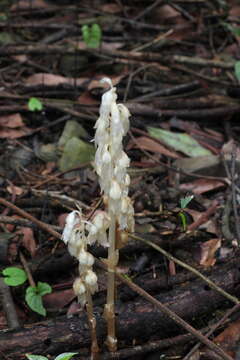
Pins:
x: 16, y: 190
x: 87, y: 99
x: 58, y: 299
x: 47, y: 79
x: 208, y: 250
x: 26, y: 4
x: 201, y: 186
x: 229, y: 339
x: 149, y: 144
x: 28, y: 240
x: 11, y: 121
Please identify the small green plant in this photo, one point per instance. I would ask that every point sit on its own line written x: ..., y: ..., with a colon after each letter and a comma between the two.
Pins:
x: 92, y: 36
x: 63, y: 356
x: 14, y: 276
x: 183, y: 204
x: 34, y: 104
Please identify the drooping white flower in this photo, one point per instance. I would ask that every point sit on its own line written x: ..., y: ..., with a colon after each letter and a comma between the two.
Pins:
x: 115, y: 191
x: 90, y: 279
x: 71, y: 221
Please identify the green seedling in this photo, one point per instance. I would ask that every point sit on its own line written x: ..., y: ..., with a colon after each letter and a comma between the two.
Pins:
x: 183, y: 204
x: 34, y: 104
x: 14, y: 276
x: 63, y: 356
x: 92, y: 36
x: 34, y: 296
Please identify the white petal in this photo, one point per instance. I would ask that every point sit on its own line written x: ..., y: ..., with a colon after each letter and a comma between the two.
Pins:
x: 115, y: 191
x: 71, y: 221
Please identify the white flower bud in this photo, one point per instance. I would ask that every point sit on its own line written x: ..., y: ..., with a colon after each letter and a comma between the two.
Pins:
x: 91, y: 281
x: 85, y: 258
x: 71, y: 221
x: 123, y: 160
x: 124, y: 115
x: 79, y: 287
x: 115, y: 191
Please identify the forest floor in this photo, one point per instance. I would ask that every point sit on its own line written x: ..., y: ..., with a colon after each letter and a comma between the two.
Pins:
x: 176, y: 67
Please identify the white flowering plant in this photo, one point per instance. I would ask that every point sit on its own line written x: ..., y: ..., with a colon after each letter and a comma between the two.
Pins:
x: 108, y: 228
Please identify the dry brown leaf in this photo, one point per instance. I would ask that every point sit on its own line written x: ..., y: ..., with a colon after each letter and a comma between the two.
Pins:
x: 26, y: 4
x: 208, y: 250
x: 201, y: 186
x: 151, y: 145
x: 47, y: 79
x: 16, y: 190
x: 11, y: 121
x: 14, y: 133
x: 58, y: 299
x: 229, y: 339
x: 28, y: 240
x: 87, y: 99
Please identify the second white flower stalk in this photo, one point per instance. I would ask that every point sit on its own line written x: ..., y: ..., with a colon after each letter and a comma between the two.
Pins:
x: 111, y: 164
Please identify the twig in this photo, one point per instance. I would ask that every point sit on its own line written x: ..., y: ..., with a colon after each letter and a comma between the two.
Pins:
x: 27, y: 270
x: 213, y: 328
x: 8, y: 306
x: 174, y: 317
x: 189, y: 268
x: 26, y: 215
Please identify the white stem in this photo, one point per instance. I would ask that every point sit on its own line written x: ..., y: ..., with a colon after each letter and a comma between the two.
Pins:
x: 109, y: 308
x: 92, y: 326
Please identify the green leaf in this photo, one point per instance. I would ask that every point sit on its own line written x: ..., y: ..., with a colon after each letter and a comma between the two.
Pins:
x: 36, y: 357
x: 34, y: 104
x: 34, y: 295
x: 43, y: 288
x: 14, y: 276
x: 179, y: 142
x: 65, y: 356
x: 237, y: 70
x: 183, y: 219
x: 185, y: 201
x: 92, y: 35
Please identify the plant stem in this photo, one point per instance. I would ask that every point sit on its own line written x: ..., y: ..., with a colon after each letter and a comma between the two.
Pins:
x: 109, y: 311
x: 92, y: 326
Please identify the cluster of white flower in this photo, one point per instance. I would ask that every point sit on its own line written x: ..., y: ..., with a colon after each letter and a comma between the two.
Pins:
x: 111, y: 162
x: 78, y: 234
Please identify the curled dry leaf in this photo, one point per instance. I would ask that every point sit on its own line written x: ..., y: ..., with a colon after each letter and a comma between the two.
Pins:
x: 12, y: 127
x: 28, y: 240
x: 208, y: 250
x: 16, y: 190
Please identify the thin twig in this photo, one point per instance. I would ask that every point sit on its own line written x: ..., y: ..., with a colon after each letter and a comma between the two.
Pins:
x: 213, y: 328
x: 174, y: 317
x: 8, y: 306
x: 189, y: 268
